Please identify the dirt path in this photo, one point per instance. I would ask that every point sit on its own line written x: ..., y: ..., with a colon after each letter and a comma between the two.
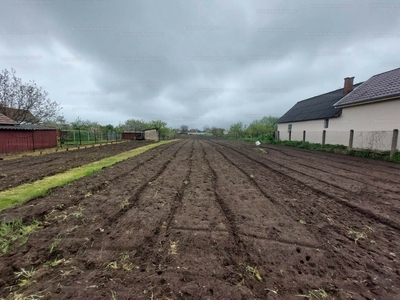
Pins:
x: 201, y: 219
x: 32, y: 168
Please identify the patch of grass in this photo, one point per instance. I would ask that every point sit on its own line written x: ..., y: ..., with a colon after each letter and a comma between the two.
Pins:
x: 16, y: 296
x: 16, y: 231
x: 113, y: 295
x: 55, y: 243
x: 21, y: 194
x: 254, y: 272
x: 355, y: 235
x: 112, y: 265
x: 124, y: 203
x: 25, y: 277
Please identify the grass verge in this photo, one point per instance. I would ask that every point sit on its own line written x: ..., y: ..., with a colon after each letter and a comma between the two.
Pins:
x: 21, y: 194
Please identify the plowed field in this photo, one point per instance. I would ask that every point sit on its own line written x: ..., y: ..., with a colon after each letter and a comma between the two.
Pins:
x: 28, y: 169
x: 210, y: 219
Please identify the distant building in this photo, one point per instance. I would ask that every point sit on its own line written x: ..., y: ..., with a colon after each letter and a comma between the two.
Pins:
x: 19, y: 138
x: 369, y: 109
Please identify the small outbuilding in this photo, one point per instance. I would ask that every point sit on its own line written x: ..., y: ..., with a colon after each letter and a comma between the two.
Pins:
x: 148, y: 134
x: 19, y: 138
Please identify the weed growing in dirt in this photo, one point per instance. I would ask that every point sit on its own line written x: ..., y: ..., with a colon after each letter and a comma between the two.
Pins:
x: 124, y: 203
x: 16, y: 296
x: 56, y: 262
x: 113, y: 295
x: 112, y: 265
x: 254, y: 272
x: 126, y: 264
x: 173, y: 247
x: 79, y: 213
x: 55, y: 243
x: 25, y: 277
x: 315, y: 294
x: 355, y: 235
x: 16, y: 231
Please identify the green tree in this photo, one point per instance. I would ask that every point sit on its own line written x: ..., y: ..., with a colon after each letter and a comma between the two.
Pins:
x: 184, y: 129
x: 237, y: 130
x: 133, y: 125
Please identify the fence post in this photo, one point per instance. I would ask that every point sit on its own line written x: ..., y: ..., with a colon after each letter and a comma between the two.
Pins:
x: 323, y: 137
x: 278, y: 137
x: 395, y: 138
x: 290, y: 135
x: 304, y: 136
x: 351, y: 138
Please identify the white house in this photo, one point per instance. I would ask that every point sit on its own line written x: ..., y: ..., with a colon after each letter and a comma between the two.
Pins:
x: 371, y: 110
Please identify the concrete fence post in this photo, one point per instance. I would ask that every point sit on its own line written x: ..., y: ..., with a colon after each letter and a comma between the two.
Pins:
x: 351, y: 138
x: 290, y: 136
x: 277, y: 136
x: 395, y: 138
x: 323, y: 137
x: 304, y: 136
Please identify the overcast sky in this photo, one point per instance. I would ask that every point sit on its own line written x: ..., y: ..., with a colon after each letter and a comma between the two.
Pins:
x: 194, y: 62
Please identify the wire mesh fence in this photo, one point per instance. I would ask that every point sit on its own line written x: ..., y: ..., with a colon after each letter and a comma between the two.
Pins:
x: 84, y: 137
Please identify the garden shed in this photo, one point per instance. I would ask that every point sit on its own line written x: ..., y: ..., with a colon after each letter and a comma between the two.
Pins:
x: 19, y: 138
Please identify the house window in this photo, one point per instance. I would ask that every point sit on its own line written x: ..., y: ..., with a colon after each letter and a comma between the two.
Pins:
x: 326, y: 123
x: 289, y: 127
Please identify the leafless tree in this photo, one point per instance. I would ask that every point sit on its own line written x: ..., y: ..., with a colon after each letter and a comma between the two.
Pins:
x: 25, y: 102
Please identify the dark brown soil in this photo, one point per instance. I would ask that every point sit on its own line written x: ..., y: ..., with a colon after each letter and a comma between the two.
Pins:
x: 203, y: 219
x: 31, y: 168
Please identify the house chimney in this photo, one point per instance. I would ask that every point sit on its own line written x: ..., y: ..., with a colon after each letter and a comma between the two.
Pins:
x: 348, y: 85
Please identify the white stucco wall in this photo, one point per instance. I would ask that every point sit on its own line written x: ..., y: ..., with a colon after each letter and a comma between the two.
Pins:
x: 151, y: 135
x: 373, y: 126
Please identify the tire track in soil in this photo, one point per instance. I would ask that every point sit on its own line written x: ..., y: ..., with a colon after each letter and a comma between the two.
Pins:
x: 357, y: 209
x: 43, y: 205
x: 345, y: 257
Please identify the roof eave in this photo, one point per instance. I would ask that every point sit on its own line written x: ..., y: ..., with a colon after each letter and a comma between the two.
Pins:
x: 397, y: 96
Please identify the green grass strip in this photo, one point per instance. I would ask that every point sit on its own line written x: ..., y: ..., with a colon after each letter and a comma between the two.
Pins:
x: 22, y: 193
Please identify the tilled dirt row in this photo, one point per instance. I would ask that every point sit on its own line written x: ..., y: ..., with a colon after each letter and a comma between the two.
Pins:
x: 206, y: 220
x: 361, y: 240
x: 31, y: 168
x: 376, y: 194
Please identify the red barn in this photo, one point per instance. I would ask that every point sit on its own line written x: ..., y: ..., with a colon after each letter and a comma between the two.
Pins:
x: 20, y: 138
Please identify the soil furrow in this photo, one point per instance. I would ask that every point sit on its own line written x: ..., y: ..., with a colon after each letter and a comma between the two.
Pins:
x: 355, y: 208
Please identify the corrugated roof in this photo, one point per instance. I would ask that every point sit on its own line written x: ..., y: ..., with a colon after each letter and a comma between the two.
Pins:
x: 25, y: 127
x: 315, y: 108
x: 380, y: 86
x: 4, y: 120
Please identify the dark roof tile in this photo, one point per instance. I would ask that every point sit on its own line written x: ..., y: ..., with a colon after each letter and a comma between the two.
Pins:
x: 379, y: 86
x: 315, y: 108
